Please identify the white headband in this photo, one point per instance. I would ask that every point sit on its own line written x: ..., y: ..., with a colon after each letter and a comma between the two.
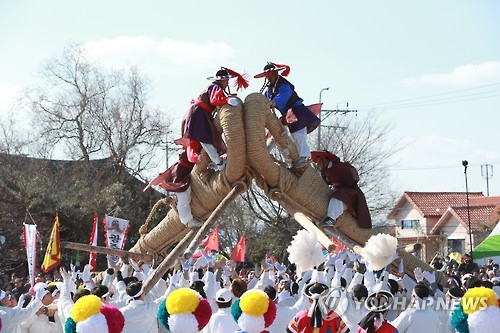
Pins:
x: 54, y: 293
x: 139, y: 293
x: 105, y: 295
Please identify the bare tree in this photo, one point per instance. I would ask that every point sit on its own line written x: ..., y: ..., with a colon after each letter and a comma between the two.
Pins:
x: 93, y: 112
x: 365, y: 145
x: 11, y: 140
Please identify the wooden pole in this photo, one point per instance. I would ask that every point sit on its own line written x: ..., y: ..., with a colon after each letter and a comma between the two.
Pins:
x: 168, y: 261
x: 203, y: 231
x: 105, y: 250
x: 305, y: 221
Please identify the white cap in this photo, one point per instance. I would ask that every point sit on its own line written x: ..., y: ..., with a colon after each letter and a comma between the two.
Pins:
x: 223, y: 295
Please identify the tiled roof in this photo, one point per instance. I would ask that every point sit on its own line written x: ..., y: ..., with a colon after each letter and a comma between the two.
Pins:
x: 484, y: 201
x: 434, y: 203
x: 480, y: 216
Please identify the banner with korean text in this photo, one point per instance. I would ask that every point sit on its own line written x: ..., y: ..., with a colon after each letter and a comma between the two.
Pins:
x: 115, y: 235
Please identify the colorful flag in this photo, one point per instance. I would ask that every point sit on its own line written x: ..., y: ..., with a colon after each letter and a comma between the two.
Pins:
x: 93, y: 241
x: 238, y: 253
x: 211, y: 242
x: 339, y: 246
x: 30, y: 241
x: 115, y: 235
x: 53, y: 253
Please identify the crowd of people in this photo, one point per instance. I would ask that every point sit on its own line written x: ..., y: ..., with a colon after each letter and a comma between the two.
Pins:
x: 340, y: 295
x: 218, y: 296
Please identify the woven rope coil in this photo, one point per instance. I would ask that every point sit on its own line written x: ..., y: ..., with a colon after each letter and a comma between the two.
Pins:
x: 208, y: 188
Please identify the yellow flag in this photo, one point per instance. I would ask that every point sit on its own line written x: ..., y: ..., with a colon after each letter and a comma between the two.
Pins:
x: 53, y: 253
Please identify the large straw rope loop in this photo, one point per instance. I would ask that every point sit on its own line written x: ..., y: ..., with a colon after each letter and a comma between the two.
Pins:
x: 143, y: 230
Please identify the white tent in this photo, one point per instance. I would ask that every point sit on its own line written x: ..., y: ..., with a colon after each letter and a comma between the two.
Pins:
x: 489, y: 248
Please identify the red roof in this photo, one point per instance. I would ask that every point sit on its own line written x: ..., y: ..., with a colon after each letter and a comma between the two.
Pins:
x: 484, y: 201
x: 480, y: 216
x: 434, y: 203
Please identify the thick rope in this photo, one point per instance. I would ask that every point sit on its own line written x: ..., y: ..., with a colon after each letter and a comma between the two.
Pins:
x: 143, y: 230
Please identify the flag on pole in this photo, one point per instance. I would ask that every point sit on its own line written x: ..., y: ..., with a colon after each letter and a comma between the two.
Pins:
x: 238, y: 253
x: 211, y: 242
x: 30, y: 241
x: 115, y: 235
x: 53, y: 253
x: 93, y: 241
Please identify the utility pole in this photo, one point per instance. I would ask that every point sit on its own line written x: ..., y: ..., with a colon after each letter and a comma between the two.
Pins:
x: 487, y: 172
x: 465, y: 164
x: 318, y: 144
x: 326, y: 114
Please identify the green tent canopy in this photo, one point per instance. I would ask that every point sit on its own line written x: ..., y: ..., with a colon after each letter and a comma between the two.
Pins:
x: 490, y: 247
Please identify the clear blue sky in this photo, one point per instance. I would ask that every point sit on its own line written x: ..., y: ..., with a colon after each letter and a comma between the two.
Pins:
x: 438, y: 60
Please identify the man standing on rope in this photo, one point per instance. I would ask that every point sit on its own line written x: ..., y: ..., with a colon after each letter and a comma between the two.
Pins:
x: 299, y: 119
x: 198, y: 131
x: 343, y: 178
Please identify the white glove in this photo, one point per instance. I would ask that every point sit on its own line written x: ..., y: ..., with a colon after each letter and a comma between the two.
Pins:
x: 280, y: 267
x: 210, y: 259
x: 74, y: 272
x: 175, y: 278
x: 185, y: 265
x: 40, y: 293
x: 431, y: 277
x: 134, y: 265
x: 351, y: 255
x: 217, y: 167
x: 86, y: 273
x: 339, y: 265
x: 201, y: 262
x: 65, y: 275
x: 419, y: 275
x: 146, y: 269
x: 232, y: 101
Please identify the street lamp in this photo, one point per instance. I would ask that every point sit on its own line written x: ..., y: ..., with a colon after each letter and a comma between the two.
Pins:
x: 465, y: 163
x: 319, y: 116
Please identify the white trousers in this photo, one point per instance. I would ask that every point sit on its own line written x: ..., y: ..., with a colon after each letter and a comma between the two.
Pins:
x: 300, y: 138
x: 184, y: 205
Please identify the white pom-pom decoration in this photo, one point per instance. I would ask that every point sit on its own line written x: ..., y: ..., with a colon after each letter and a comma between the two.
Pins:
x: 93, y: 324
x: 183, y: 323
x: 380, y: 251
x: 251, y: 324
x: 305, y: 250
x: 484, y: 321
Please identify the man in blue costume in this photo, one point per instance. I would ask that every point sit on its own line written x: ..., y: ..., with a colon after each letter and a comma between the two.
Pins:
x: 299, y: 118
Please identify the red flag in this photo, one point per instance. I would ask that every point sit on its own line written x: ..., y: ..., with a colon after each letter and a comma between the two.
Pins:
x: 211, y: 242
x: 53, y: 253
x: 238, y: 253
x: 339, y: 246
x: 93, y: 241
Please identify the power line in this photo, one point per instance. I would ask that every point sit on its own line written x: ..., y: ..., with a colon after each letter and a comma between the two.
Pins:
x: 427, y: 96
x: 430, y: 167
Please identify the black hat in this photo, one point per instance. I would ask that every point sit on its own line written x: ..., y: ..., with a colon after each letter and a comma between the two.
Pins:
x: 379, y: 301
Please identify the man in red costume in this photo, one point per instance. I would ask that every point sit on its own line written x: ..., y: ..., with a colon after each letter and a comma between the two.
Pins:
x: 343, y: 179
x: 199, y: 132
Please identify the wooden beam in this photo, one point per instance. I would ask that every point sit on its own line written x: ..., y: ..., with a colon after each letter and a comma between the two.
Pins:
x: 105, y: 250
